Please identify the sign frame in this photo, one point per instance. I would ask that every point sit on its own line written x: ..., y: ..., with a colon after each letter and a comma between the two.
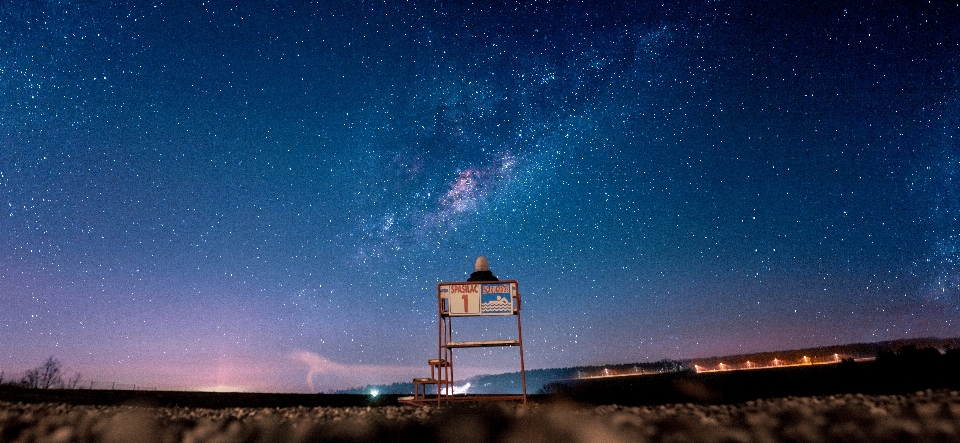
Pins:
x: 478, y: 299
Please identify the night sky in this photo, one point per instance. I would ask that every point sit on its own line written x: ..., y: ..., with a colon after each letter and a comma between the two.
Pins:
x: 263, y: 195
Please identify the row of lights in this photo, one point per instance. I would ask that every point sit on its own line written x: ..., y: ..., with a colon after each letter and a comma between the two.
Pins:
x: 750, y: 365
x: 725, y: 367
x: 607, y: 372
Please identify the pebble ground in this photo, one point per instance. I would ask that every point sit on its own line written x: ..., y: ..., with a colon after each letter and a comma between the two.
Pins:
x: 926, y: 416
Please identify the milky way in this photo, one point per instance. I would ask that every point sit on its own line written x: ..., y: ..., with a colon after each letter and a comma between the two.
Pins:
x: 264, y: 197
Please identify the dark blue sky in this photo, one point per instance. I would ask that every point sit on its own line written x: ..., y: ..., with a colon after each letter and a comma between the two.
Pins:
x: 263, y: 196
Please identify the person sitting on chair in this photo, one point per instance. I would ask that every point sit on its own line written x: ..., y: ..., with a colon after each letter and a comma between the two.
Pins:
x: 482, y: 272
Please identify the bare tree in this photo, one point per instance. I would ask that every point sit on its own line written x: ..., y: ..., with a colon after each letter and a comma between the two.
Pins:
x: 31, y: 379
x: 46, y: 376
x: 73, y: 382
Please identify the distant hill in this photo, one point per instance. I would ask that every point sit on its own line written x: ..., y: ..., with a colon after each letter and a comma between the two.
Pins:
x: 537, y: 379
x: 826, y: 353
x: 511, y: 383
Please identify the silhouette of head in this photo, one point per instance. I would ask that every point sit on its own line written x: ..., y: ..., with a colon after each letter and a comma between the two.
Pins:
x: 481, y: 264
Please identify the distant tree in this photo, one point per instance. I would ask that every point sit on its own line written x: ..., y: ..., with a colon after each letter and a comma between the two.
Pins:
x: 554, y: 388
x: 46, y: 376
x: 73, y: 382
x: 849, y: 368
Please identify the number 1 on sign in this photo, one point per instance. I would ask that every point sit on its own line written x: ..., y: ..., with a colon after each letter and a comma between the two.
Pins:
x: 470, y: 306
x: 451, y: 301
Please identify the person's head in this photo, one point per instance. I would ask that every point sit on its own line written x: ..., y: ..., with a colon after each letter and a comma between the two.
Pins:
x: 481, y: 264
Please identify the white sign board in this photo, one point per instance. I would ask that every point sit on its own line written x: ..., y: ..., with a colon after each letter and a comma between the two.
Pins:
x: 476, y: 298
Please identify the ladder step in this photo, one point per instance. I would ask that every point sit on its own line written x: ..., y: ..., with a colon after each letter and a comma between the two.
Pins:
x: 481, y: 344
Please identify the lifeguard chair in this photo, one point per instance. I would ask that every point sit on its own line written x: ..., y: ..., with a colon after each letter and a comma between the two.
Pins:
x: 469, y: 299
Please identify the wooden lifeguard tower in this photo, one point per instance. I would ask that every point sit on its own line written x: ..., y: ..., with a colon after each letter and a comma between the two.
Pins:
x: 469, y: 299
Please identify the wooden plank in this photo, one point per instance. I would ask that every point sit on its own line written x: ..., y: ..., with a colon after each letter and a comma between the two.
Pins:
x: 481, y: 344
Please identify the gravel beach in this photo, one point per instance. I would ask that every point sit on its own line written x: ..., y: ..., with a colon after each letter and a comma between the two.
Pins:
x: 923, y: 416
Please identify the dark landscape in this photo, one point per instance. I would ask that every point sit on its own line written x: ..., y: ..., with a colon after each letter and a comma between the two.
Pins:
x: 909, y: 395
x: 929, y: 415
x: 671, y: 380
x: 908, y: 371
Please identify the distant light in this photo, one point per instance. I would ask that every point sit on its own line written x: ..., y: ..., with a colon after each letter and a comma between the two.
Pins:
x: 458, y: 389
x: 222, y: 388
x: 374, y: 392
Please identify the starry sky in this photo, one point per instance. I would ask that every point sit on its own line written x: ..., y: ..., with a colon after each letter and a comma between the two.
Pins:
x: 263, y: 195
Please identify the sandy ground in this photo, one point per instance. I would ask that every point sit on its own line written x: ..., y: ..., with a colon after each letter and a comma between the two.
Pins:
x: 932, y: 416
